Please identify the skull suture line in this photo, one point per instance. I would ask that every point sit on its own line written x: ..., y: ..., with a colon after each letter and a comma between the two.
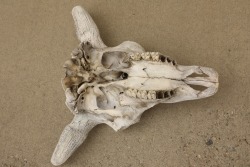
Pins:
x: 115, y: 85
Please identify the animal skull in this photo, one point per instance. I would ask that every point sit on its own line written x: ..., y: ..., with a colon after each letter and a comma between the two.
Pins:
x: 115, y: 85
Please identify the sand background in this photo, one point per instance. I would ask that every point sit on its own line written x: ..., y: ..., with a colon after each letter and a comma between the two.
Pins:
x: 36, y: 37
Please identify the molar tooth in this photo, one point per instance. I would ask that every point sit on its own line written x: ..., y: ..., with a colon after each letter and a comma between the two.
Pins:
x: 145, y: 56
x: 155, y: 57
x: 149, y: 96
x: 136, y: 56
x: 133, y: 93
x: 154, y: 53
x: 152, y: 94
x: 139, y: 95
x: 128, y: 92
x: 144, y: 94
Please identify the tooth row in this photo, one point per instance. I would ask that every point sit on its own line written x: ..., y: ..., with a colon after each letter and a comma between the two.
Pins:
x: 151, y: 56
x: 141, y: 94
x: 146, y: 56
x: 150, y: 95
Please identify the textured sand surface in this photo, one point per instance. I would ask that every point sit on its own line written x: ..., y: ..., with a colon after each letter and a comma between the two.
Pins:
x: 36, y: 37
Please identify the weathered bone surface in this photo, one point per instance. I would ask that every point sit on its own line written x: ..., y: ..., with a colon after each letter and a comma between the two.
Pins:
x: 115, y: 85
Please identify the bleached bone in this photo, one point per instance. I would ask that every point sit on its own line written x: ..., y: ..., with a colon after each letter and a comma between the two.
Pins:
x: 115, y: 85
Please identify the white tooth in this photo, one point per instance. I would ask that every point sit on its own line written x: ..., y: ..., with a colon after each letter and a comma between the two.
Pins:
x: 155, y: 57
x: 144, y: 94
x: 149, y: 96
x: 132, y: 57
x: 148, y: 57
x: 128, y: 92
x: 153, y: 94
x: 139, y: 95
x: 136, y: 56
x: 145, y: 56
x: 133, y: 93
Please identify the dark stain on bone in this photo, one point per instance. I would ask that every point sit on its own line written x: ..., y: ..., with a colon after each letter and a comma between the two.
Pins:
x: 168, y: 60
x: 114, y: 107
x: 174, y: 62
x: 121, y: 93
x: 144, y: 69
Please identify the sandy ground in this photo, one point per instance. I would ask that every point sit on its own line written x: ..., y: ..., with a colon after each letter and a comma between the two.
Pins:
x: 36, y: 37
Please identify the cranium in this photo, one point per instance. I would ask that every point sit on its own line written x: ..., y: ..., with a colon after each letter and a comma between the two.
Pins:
x: 115, y: 85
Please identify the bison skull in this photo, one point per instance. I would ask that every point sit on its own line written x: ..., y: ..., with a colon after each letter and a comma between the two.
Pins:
x: 115, y: 85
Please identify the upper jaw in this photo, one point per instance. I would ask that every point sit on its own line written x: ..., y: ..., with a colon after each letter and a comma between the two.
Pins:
x: 186, y: 92
x: 182, y: 86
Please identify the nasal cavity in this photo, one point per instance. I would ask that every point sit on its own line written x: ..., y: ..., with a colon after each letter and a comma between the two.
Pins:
x: 193, y: 75
x: 198, y: 87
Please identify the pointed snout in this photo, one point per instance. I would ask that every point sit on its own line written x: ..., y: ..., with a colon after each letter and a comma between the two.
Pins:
x: 211, y: 81
x: 194, y: 77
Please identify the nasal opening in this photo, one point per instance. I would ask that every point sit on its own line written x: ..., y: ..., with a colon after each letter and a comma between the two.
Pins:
x: 193, y: 75
x: 198, y: 87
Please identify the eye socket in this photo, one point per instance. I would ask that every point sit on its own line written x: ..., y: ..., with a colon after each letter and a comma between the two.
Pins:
x: 124, y: 75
